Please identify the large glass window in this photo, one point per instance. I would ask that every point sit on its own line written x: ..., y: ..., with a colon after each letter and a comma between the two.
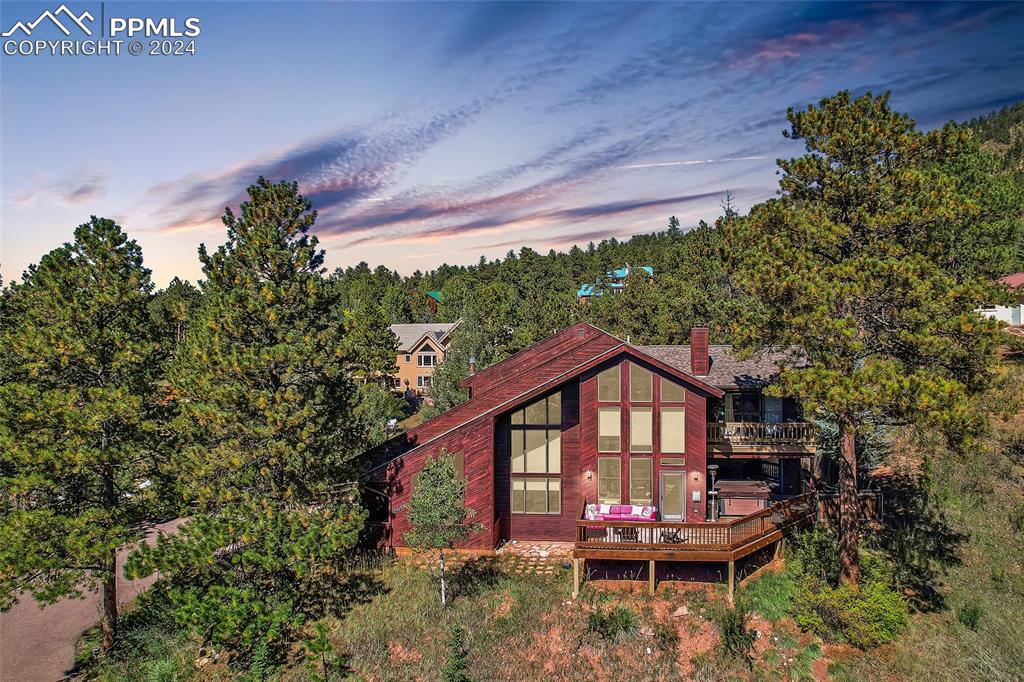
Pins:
x: 608, y: 385
x: 609, y: 480
x: 673, y: 429
x: 672, y: 392
x: 641, y: 480
x: 641, y: 384
x: 536, y: 452
x: 546, y: 411
x: 426, y: 359
x: 641, y: 429
x: 536, y: 495
x: 609, y: 429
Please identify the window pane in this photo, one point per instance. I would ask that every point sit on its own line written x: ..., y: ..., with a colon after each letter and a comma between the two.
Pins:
x: 518, y: 495
x: 460, y: 466
x: 609, y: 484
x: 555, y: 408
x: 518, y: 452
x: 672, y: 392
x: 535, y: 413
x: 641, y: 472
x: 608, y: 385
x: 517, y: 417
x: 641, y: 430
x: 536, y: 495
x: 673, y: 461
x: 640, y: 384
x: 672, y: 490
x: 554, y: 452
x: 536, y: 452
x: 673, y: 429
x: 554, y: 496
x: 609, y: 429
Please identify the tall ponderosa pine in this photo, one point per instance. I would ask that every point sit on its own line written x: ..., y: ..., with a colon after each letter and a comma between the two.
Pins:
x: 266, y: 406
x: 76, y: 409
x: 856, y: 262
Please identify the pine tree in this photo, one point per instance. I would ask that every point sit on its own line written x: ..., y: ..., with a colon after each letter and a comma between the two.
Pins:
x: 267, y: 410
x: 855, y: 263
x: 76, y: 419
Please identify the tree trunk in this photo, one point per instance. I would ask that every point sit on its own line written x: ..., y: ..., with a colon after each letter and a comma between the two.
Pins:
x: 848, y: 504
x: 109, y: 621
x: 443, y: 599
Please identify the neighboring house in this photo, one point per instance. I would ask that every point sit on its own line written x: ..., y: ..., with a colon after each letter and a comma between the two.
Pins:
x: 433, y: 300
x: 582, y: 433
x: 1012, y: 315
x: 421, y: 348
x: 614, y: 281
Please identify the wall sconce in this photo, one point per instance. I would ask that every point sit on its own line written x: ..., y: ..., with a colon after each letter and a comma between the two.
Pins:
x: 589, y: 474
x: 696, y: 476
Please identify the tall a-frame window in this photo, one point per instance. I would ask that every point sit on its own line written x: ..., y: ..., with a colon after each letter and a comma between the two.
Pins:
x: 536, y: 451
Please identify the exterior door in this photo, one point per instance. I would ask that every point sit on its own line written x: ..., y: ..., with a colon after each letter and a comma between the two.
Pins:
x: 673, y: 496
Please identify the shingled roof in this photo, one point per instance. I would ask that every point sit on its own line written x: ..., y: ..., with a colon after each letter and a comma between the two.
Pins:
x: 522, y: 377
x: 409, y: 335
x: 727, y: 370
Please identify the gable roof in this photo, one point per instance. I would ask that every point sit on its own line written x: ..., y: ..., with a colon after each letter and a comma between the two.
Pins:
x: 1014, y: 281
x: 410, y: 335
x: 526, y: 375
x: 727, y: 370
x: 436, y: 295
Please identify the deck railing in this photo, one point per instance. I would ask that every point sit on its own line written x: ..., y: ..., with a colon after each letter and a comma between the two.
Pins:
x: 755, y: 433
x: 718, y: 536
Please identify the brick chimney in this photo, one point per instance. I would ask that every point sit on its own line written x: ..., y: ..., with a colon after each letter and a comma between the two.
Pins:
x: 472, y: 365
x: 699, y: 365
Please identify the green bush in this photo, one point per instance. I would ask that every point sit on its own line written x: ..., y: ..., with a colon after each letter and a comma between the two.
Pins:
x: 865, y: 618
x: 617, y: 624
x: 736, y: 638
x: 969, y: 615
x: 456, y: 665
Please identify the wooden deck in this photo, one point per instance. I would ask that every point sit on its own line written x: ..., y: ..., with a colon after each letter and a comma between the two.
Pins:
x: 724, y: 541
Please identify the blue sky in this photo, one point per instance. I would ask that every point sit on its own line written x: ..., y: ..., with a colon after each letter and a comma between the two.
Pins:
x: 426, y: 133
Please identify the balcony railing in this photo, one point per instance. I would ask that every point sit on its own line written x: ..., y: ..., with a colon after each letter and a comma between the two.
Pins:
x: 755, y: 433
x: 626, y: 537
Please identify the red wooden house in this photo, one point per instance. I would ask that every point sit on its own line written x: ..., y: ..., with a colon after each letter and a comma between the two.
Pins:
x: 581, y: 417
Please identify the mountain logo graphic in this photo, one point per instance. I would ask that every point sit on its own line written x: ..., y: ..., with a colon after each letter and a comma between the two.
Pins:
x: 52, y: 16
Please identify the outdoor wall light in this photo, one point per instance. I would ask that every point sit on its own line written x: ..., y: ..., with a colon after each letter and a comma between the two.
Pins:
x: 589, y: 474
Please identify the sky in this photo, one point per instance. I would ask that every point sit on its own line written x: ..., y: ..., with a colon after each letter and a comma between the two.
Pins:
x: 426, y: 133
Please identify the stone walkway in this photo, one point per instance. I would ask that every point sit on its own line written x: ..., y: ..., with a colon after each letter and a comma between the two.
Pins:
x: 541, y: 558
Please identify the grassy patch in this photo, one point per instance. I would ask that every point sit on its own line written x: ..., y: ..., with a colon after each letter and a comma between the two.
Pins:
x: 770, y: 595
x: 150, y: 648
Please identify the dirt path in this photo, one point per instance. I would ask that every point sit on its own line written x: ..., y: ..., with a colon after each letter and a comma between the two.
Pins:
x: 38, y: 644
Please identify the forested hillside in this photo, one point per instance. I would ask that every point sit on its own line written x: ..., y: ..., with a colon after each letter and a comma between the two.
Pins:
x: 1002, y: 134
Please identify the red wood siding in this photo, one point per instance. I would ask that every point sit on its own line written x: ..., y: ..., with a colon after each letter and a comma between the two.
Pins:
x: 569, y: 362
x: 476, y: 446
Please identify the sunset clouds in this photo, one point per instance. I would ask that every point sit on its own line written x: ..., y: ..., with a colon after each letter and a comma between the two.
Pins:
x: 439, y: 132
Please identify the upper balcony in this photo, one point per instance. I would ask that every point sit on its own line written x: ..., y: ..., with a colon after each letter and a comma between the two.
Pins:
x: 786, y: 438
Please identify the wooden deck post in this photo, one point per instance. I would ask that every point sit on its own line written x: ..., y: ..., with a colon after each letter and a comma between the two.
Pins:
x: 650, y: 576
x: 778, y: 549
x: 576, y: 578
x: 732, y: 581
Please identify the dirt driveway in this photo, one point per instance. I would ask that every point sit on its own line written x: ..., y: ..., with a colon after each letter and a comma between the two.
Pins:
x: 38, y: 644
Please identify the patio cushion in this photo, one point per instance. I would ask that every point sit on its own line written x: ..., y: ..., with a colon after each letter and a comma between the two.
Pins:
x: 621, y: 512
